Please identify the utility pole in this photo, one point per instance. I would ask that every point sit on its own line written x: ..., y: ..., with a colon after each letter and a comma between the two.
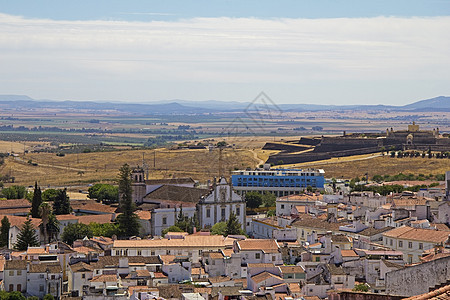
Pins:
x: 220, y: 161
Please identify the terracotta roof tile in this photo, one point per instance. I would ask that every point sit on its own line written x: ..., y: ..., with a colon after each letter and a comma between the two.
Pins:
x: 14, y: 203
x: 439, y: 294
x: 176, y: 193
x: 264, y: 276
x: 418, y: 234
x: 44, y: 268
x: 18, y: 221
x: 319, y: 223
x: 294, y: 288
x: 144, y: 214
x: 291, y: 269
x: 91, y: 205
x: 81, y: 267
x: 267, y: 246
x: 15, y: 265
x: 104, y: 278
x: 190, y: 241
x: 349, y: 253
x: 261, y: 265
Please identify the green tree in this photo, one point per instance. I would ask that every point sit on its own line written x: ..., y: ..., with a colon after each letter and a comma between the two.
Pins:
x: 15, y: 296
x: 128, y: 221
x: 219, y: 228
x: 106, y: 193
x: 14, y: 192
x: 271, y: 213
x: 36, y: 202
x: 253, y: 199
x: 4, y: 232
x: 268, y: 199
x: 49, y: 297
x: 49, y: 195
x: 27, y: 237
x: 172, y: 228
x: 73, y: 232
x: 106, y: 229
x: 361, y: 287
x: 233, y: 226
x: 61, y: 204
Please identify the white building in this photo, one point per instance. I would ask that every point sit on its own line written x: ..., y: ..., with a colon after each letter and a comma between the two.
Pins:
x: 162, y: 218
x: 189, y: 245
x: 255, y: 251
x: 218, y: 205
x: 15, y: 276
x: 43, y: 279
x: 412, y: 242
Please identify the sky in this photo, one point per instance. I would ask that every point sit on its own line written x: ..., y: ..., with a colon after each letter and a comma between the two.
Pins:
x: 319, y: 52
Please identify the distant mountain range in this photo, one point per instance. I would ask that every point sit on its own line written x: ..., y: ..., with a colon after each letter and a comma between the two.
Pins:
x: 180, y: 107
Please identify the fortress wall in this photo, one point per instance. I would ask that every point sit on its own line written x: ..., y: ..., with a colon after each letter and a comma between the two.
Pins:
x: 284, y: 147
x: 309, y: 141
x: 309, y: 157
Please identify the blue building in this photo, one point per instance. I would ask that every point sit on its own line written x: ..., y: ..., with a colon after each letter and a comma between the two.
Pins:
x: 281, y: 182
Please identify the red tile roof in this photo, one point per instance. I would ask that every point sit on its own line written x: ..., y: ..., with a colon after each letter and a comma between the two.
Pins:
x: 418, y: 234
x: 267, y: 246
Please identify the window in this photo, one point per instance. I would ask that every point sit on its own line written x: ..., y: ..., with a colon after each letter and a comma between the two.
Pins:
x: 282, y: 206
x: 11, y: 273
x: 11, y: 287
x: 238, y: 211
x: 41, y: 276
x: 420, y: 246
x: 83, y: 275
x: 409, y: 244
x: 208, y: 213
x: 19, y: 272
x: 390, y: 242
x: 139, y: 252
x: 153, y: 252
x: 164, y: 221
x: 257, y: 255
x: 273, y: 257
x: 400, y: 244
x: 117, y: 252
x: 19, y: 287
x: 223, y: 213
x: 317, y: 259
x: 41, y: 287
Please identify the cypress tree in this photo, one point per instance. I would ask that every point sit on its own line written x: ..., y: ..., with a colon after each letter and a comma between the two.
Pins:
x: 128, y: 221
x: 4, y: 232
x: 61, y: 205
x: 36, y: 202
x: 26, y: 237
x: 233, y: 225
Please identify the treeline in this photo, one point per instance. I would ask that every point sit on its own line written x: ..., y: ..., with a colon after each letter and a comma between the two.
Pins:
x: 408, y: 177
x: 183, y: 130
x: 390, y: 188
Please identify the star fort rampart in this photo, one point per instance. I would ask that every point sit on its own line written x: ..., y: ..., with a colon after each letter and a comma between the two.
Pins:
x: 321, y: 148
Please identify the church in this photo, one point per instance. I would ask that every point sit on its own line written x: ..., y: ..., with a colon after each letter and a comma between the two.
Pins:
x: 164, y: 198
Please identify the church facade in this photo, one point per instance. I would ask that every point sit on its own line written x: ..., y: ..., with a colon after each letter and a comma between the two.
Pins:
x: 218, y: 205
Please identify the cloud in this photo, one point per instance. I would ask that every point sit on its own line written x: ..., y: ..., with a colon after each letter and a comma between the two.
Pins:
x: 206, y: 57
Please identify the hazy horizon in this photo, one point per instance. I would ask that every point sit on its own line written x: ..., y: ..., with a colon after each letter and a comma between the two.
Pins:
x: 344, y: 53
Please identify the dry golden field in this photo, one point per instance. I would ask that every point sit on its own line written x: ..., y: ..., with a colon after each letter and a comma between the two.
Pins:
x: 85, y: 168
x: 350, y: 167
